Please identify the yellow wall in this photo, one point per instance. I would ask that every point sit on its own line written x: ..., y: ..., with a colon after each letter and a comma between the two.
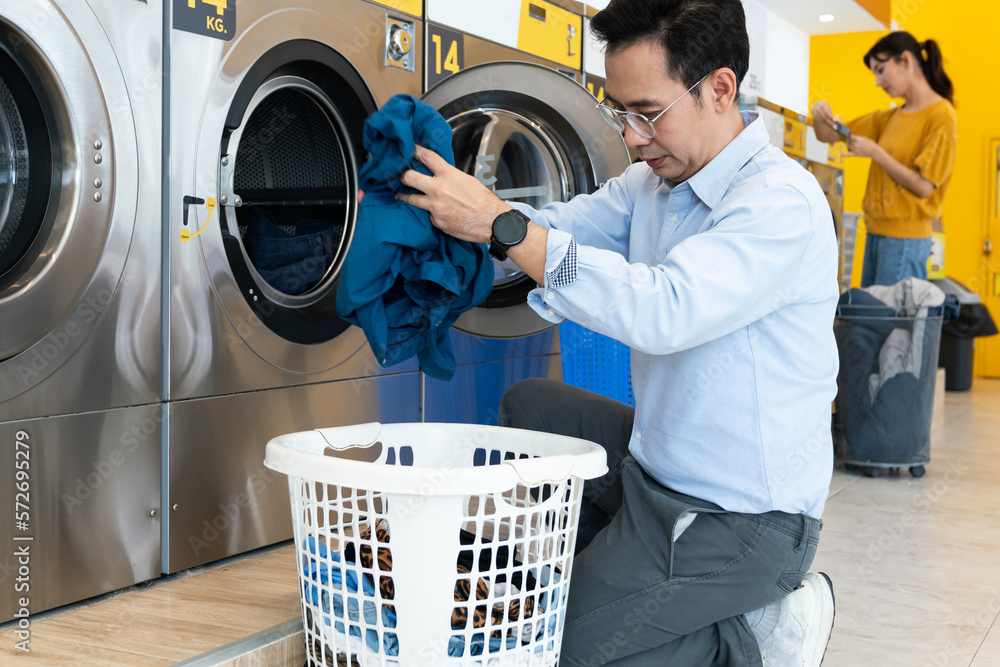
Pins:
x: 967, y: 39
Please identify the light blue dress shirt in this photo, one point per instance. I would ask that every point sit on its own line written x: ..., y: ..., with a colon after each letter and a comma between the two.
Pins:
x: 725, y: 287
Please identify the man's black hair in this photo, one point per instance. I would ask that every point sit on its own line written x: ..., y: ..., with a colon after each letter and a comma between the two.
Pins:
x: 698, y: 36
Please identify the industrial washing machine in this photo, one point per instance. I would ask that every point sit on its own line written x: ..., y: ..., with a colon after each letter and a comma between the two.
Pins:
x: 526, y: 128
x: 267, y: 101
x: 80, y: 363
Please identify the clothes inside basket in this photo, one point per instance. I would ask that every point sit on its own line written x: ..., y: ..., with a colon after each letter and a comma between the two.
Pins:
x: 342, y: 627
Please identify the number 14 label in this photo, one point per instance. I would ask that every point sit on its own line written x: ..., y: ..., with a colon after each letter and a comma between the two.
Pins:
x: 445, y: 55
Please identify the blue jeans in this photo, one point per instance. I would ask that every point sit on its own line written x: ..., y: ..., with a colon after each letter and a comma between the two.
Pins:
x: 889, y: 260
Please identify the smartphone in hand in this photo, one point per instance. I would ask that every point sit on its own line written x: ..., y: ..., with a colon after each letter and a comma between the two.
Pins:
x: 842, y: 130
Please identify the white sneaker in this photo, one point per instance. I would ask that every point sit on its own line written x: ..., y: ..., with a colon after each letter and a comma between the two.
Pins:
x: 805, y: 623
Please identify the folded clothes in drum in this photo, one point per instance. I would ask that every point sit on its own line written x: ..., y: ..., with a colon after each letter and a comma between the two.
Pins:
x: 292, y: 259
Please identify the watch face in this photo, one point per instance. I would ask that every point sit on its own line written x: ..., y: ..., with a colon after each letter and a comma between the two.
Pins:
x: 510, y: 228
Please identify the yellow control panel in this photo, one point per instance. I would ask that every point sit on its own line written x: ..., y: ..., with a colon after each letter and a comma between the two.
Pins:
x: 414, y: 7
x: 795, y: 137
x: 551, y: 32
x: 835, y: 154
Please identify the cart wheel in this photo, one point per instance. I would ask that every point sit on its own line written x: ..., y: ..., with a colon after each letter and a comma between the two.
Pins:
x: 871, y: 471
x: 850, y: 467
x: 917, y: 471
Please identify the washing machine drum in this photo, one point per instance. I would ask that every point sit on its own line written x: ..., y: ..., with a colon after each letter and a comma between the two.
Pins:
x: 291, y: 175
x: 24, y: 157
x: 13, y: 163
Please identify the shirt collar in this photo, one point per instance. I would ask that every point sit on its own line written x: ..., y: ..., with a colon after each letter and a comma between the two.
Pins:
x: 713, y: 180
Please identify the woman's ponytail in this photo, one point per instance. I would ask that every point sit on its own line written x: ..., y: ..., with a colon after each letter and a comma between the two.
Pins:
x: 933, y: 67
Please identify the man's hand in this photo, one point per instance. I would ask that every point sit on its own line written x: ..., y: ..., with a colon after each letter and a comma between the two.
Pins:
x: 458, y: 204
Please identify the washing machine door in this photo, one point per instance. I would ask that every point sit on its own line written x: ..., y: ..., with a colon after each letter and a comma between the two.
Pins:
x: 531, y: 135
x: 289, y: 182
x: 65, y: 226
x: 281, y: 140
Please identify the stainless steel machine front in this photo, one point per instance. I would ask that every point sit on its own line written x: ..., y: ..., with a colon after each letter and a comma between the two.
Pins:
x: 80, y: 363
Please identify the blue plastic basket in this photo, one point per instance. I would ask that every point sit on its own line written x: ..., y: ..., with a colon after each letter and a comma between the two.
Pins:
x: 593, y: 361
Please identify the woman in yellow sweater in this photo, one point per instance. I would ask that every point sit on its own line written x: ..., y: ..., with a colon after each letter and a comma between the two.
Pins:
x: 912, y: 150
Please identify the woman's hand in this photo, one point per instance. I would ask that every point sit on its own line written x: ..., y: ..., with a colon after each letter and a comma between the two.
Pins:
x: 859, y: 146
x: 824, y: 122
x: 822, y: 113
x: 909, y: 178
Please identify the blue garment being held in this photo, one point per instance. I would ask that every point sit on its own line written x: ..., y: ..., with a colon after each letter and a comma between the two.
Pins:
x: 405, y: 282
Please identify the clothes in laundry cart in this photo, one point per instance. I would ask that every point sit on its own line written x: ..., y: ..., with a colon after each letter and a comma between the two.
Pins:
x: 887, y: 337
x: 404, y: 282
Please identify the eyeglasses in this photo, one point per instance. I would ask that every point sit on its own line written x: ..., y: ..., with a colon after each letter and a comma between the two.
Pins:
x: 641, y: 124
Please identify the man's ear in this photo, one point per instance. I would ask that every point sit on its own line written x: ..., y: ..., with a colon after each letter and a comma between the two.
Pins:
x: 723, y: 89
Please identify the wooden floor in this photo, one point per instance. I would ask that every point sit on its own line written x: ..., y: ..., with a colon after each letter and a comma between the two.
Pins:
x: 915, y: 565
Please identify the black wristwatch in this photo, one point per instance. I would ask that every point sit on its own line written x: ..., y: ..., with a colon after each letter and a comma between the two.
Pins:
x: 509, y: 229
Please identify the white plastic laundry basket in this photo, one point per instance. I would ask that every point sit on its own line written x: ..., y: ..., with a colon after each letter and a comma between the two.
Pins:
x: 434, y: 544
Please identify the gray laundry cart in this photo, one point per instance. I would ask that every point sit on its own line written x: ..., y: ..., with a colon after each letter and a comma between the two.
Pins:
x: 885, y: 398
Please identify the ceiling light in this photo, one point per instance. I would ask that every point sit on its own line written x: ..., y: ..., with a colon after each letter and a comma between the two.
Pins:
x: 825, y: 18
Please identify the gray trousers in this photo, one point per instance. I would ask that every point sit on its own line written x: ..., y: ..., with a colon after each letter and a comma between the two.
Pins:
x: 637, y: 597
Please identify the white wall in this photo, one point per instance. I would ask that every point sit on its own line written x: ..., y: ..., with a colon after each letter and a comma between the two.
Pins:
x: 500, y: 23
x: 784, y: 58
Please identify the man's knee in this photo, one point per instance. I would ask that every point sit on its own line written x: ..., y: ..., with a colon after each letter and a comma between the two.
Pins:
x: 519, y: 407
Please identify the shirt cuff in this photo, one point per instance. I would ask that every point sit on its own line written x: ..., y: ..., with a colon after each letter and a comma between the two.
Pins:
x: 560, y: 271
x: 565, y: 273
x: 560, y: 259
